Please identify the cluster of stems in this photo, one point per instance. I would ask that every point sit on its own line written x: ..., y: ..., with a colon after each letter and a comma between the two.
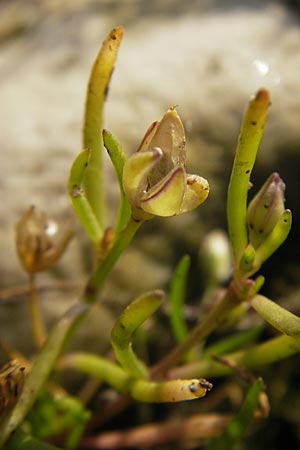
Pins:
x: 255, y: 232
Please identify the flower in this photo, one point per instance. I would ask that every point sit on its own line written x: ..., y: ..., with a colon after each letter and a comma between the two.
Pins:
x: 39, y: 241
x: 155, y: 181
x: 265, y: 209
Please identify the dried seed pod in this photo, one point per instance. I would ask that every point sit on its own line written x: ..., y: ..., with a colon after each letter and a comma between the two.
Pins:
x: 39, y: 240
x: 11, y: 385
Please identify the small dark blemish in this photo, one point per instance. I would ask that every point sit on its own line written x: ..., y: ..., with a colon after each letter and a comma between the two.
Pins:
x: 89, y: 290
x: 247, y: 171
x: 260, y: 231
x: 122, y: 326
x: 206, y: 384
x: 266, y: 206
x: 193, y: 388
x: 106, y: 91
x: 253, y: 122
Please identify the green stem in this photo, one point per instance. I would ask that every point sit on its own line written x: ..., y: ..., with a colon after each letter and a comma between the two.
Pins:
x: 96, y: 367
x: 118, y: 158
x: 263, y: 354
x: 177, y: 298
x: 133, y: 316
x: 37, y: 323
x: 102, y: 270
x: 214, y: 318
x: 140, y: 389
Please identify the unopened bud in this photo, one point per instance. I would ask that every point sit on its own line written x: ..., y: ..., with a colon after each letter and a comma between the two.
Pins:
x: 265, y: 209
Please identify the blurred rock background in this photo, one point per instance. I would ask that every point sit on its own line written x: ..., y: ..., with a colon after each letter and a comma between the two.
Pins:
x: 207, y: 57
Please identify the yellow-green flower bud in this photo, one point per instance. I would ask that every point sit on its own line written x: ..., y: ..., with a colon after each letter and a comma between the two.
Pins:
x: 154, y: 178
x: 265, y: 209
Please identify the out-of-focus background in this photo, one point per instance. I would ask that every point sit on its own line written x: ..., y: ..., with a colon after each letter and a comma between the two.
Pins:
x: 207, y: 57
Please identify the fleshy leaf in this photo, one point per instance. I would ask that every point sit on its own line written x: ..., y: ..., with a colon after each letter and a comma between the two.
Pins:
x: 132, y: 317
x: 279, y: 317
x: 274, y: 240
x: 93, y: 120
x: 251, y: 133
x: 79, y: 199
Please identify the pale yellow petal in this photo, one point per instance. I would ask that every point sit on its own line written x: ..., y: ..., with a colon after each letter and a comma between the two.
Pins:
x: 135, y: 172
x: 145, y: 144
x: 165, y: 198
x: 169, y: 136
x: 197, y: 190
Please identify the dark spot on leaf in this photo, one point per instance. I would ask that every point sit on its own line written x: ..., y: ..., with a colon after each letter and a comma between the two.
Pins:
x: 193, y: 388
x: 253, y: 122
x: 89, y: 290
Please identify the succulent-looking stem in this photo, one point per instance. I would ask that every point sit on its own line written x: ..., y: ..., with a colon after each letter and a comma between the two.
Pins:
x: 102, y: 270
x: 214, y: 318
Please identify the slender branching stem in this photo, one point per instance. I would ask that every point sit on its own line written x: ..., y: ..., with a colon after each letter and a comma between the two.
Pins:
x: 37, y: 322
x: 214, y: 318
x: 104, y: 267
x: 268, y: 352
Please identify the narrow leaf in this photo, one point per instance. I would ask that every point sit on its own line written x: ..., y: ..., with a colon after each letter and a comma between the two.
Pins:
x: 132, y: 317
x: 78, y: 197
x: 169, y: 391
x: 93, y: 120
x: 118, y: 158
x: 279, y: 317
x: 177, y: 298
x: 274, y: 240
x: 250, y: 136
x: 233, y: 342
x: 242, y: 419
